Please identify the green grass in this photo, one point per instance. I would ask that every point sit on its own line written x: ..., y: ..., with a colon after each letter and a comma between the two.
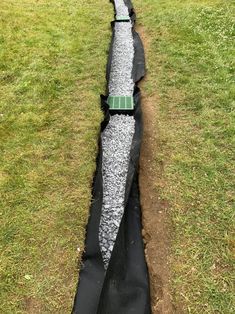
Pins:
x: 190, y: 62
x: 52, y: 69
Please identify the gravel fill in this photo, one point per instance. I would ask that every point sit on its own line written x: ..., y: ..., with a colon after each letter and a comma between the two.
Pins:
x: 120, y: 81
x: 116, y: 144
x: 121, y: 8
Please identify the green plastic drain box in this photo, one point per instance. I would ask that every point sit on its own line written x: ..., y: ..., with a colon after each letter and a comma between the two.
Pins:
x: 121, y: 103
x: 122, y: 18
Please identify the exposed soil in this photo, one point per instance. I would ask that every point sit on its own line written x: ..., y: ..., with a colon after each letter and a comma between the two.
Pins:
x: 156, y: 221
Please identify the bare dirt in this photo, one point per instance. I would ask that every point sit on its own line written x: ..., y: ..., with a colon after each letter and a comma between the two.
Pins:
x: 155, y: 211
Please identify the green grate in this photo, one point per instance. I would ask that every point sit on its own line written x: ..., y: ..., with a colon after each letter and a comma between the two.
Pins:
x: 122, y: 18
x: 121, y: 102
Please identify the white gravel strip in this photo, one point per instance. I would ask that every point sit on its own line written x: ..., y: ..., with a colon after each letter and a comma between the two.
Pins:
x: 121, y: 8
x: 120, y: 81
x: 116, y: 144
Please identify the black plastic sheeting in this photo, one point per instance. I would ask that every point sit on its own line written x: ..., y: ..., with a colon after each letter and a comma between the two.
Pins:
x: 124, y: 287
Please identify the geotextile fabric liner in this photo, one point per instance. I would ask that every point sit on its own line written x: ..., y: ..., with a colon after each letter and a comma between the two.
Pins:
x: 124, y: 287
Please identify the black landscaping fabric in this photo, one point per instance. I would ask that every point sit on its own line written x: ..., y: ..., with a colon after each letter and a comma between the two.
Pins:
x: 124, y: 287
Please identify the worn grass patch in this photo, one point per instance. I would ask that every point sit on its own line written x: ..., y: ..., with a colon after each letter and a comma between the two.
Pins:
x: 191, y: 68
x: 52, y: 69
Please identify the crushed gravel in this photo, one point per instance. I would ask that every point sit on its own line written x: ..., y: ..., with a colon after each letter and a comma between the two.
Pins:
x: 116, y: 144
x: 117, y: 137
x: 121, y: 8
x: 120, y: 80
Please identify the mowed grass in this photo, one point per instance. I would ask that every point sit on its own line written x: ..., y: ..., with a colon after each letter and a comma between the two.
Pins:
x: 191, y: 69
x: 52, y: 69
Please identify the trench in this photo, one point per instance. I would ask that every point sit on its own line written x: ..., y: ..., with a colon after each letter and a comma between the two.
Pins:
x: 114, y: 275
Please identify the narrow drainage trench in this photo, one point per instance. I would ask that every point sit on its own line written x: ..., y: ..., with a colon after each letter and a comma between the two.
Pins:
x: 114, y: 276
x: 117, y: 137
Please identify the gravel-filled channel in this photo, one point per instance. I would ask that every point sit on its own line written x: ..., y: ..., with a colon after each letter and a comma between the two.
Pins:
x: 116, y: 144
x: 103, y: 288
x: 117, y: 137
x: 120, y: 80
x: 121, y: 8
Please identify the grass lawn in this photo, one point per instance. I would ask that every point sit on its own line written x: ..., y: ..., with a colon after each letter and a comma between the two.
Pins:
x: 191, y: 69
x: 52, y: 69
